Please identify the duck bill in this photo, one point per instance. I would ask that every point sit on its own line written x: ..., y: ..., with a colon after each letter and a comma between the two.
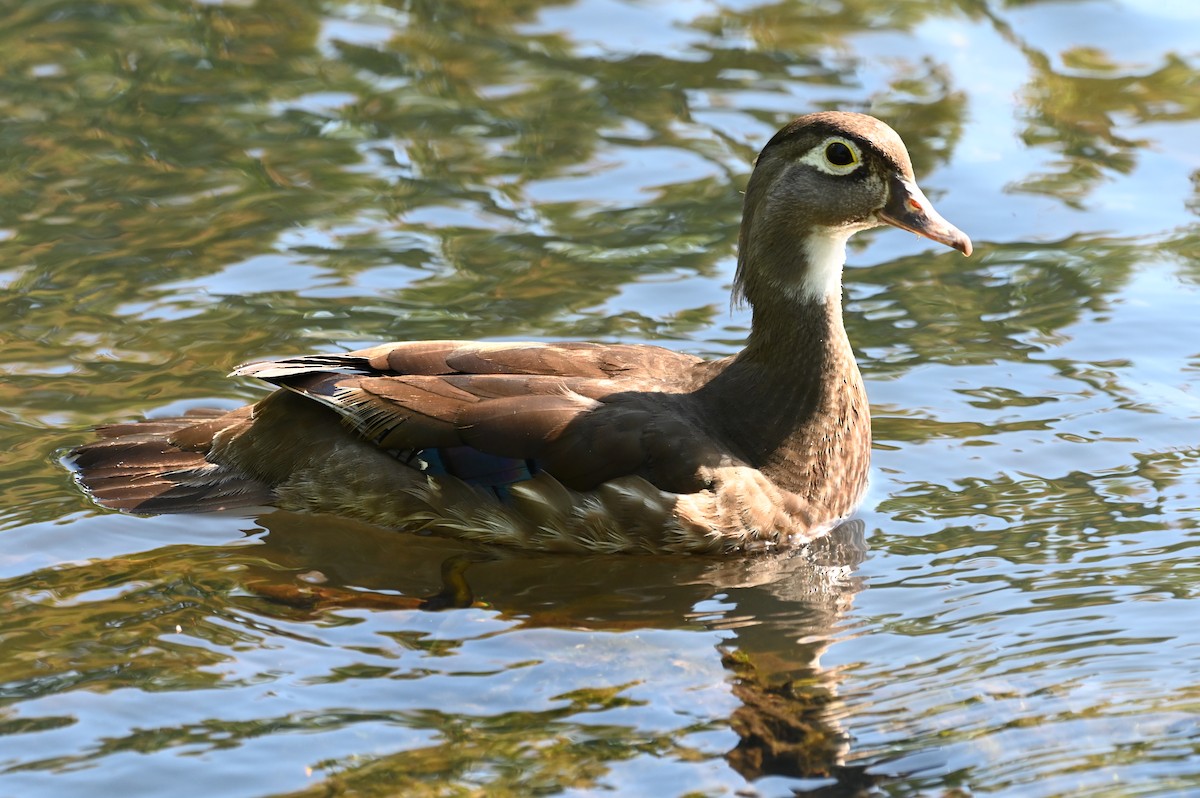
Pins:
x: 909, y: 209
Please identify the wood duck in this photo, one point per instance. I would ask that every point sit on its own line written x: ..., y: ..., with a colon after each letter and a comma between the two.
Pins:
x: 579, y: 446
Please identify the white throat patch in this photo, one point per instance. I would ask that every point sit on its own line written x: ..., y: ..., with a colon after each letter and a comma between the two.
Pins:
x: 825, y: 251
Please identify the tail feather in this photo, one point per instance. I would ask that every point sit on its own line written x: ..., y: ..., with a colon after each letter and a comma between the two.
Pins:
x: 136, y: 467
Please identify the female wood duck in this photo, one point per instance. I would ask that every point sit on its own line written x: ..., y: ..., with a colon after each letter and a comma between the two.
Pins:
x: 579, y: 446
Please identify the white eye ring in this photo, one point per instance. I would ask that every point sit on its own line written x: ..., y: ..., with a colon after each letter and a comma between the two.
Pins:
x: 825, y: 155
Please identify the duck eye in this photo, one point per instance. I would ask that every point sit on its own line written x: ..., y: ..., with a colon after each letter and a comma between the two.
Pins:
x: 839, y: 154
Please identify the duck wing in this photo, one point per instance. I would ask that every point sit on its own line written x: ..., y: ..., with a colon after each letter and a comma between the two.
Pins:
x: 585, y: 413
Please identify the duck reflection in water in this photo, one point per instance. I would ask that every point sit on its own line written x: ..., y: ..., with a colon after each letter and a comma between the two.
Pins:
x: 777, y: 615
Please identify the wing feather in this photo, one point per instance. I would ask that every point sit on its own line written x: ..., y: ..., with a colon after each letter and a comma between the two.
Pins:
x: 587, y: 360
x: 586, y: 413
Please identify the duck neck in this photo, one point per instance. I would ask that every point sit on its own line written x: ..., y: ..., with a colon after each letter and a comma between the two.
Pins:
x: 792, y: 336
x: 797, y: 335
x: 794, y: 398
x: 797, y: 365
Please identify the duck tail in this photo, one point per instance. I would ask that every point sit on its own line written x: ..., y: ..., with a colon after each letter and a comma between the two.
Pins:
x: 159, y: 466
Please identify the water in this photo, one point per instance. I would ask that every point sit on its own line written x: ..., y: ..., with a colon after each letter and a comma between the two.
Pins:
x: 187, y: 186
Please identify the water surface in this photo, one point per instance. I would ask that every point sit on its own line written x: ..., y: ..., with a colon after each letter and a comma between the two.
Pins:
x: 187, y: 186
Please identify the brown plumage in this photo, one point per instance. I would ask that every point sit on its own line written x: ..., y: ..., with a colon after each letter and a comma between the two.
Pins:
x: 579, y: 446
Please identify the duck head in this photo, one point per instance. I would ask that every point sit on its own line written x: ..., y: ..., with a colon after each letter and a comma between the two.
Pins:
x: 819, y: 180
